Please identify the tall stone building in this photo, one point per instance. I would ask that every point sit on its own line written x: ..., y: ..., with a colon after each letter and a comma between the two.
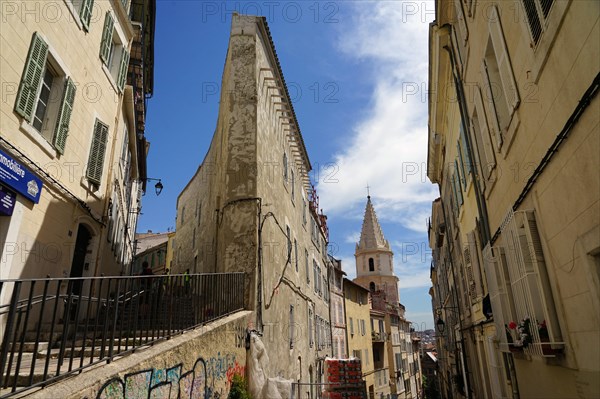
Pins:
x: 516, y: 231
x: 250, y: 207
x: 74, y: 84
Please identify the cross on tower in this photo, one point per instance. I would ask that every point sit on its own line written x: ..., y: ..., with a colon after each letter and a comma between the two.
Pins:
x: 368, y: 193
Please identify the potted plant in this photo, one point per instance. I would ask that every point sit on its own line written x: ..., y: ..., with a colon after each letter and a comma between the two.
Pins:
x: 523, y: 332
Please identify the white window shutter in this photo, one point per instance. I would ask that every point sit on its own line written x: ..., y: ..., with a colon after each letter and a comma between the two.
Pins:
x: 507, y: 77
x: 490, y: 159
x: 488, y: 96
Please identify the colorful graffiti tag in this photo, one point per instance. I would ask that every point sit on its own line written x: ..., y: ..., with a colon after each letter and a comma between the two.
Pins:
x: 198, y: 383
x: 159, y: 384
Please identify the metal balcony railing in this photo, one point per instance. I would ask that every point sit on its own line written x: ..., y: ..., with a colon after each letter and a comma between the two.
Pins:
x: 53, y: 327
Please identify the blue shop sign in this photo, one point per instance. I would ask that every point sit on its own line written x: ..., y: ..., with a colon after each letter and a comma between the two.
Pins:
x: 7, y: 201
x: 19, y: 178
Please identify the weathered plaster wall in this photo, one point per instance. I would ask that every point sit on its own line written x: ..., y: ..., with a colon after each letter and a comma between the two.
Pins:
x: 188, y: 366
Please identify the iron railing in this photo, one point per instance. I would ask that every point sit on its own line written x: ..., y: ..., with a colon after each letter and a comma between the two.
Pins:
x: 54, y: 327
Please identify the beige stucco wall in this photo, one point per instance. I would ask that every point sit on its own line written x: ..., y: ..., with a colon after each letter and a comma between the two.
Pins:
x: 551, y: 79
x: 356, y: 311
x: 183, y: 366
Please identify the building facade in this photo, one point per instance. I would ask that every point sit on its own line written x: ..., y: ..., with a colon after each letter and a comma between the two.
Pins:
x: 513, y: 134
x: 72, y: 144
x: 359, y: 331
x: 338, y: 319
x: 250, y: 208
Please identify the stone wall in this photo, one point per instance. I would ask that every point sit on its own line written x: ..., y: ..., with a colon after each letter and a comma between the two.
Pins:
x: 201, y: 361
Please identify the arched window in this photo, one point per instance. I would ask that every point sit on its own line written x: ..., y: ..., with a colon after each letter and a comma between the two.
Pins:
x: 371, y: 265
x: 372, y: 286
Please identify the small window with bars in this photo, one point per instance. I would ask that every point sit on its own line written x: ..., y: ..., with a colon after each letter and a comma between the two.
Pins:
x: 537, y: 12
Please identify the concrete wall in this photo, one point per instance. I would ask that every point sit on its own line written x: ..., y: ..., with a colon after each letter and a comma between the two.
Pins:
x: 187, y: 366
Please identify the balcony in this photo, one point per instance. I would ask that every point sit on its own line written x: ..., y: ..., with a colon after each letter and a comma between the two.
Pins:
x: 377, y: 337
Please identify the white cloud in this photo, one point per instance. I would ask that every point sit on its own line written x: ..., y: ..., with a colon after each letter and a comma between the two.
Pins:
x: 353, y: 237
x: 389, y: 146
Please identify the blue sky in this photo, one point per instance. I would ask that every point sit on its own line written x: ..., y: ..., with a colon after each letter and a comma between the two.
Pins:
x: 357, y: 72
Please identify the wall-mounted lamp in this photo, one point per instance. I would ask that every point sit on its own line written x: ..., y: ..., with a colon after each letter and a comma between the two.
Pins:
x: 440, y: 324
x: 158, y: 187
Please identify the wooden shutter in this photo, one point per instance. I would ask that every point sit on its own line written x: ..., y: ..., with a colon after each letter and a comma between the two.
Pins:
x: 96, y: 160
x: 85, y: 13
x: 466, y: 155
x: 490, y: 159
x: 107, y: 33
x: 123, y: 69
x: 64, y: 116
x: 507, y: 77
x: 495, y: 128
x: 31, y: 78
x: 462, y: 24
x: 475, y: 264
x: 463, y: 176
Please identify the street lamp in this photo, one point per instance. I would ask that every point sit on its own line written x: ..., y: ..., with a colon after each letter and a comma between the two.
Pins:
x: 158, y: 187
x: 440, y: 324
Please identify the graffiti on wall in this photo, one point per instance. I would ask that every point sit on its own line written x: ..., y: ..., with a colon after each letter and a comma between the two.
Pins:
x: 198, y: 383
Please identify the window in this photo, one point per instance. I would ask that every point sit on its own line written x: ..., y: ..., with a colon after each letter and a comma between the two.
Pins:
x: 537, y: 13
x: 304, y: 211
x: 372, y: 286
x: 500, y: 88
x: 487, y: 159
x: 194, y: 238
x: 296, y: 253
x: 183, y: 214
x: 291, y: 327
x: 316, y: 276
x: 293, y: 184
x: 43, y: 80
x: 285, y: 167
x: 289, y: 244
x: 351, y: 326
x: 356, y: 354
x: 367, y: 356
x: 84, y: 9
x: 113, y: 52
x: 371, y: 265
x: 97, y: 150
x: 518, y: 282
x: 363, y: 330
x: 310, y: 328
x: 306, y: 268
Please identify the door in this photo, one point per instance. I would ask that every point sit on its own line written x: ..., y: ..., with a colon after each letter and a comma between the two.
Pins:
x: 77, y: 265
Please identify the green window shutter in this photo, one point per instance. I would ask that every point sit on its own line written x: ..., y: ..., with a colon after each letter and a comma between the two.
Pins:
x: 85, y: 13
x: 64, y: 116
x: 107, y: 33
x: 123, y: 69
x: 96, y: 161
x: 32, y: 77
